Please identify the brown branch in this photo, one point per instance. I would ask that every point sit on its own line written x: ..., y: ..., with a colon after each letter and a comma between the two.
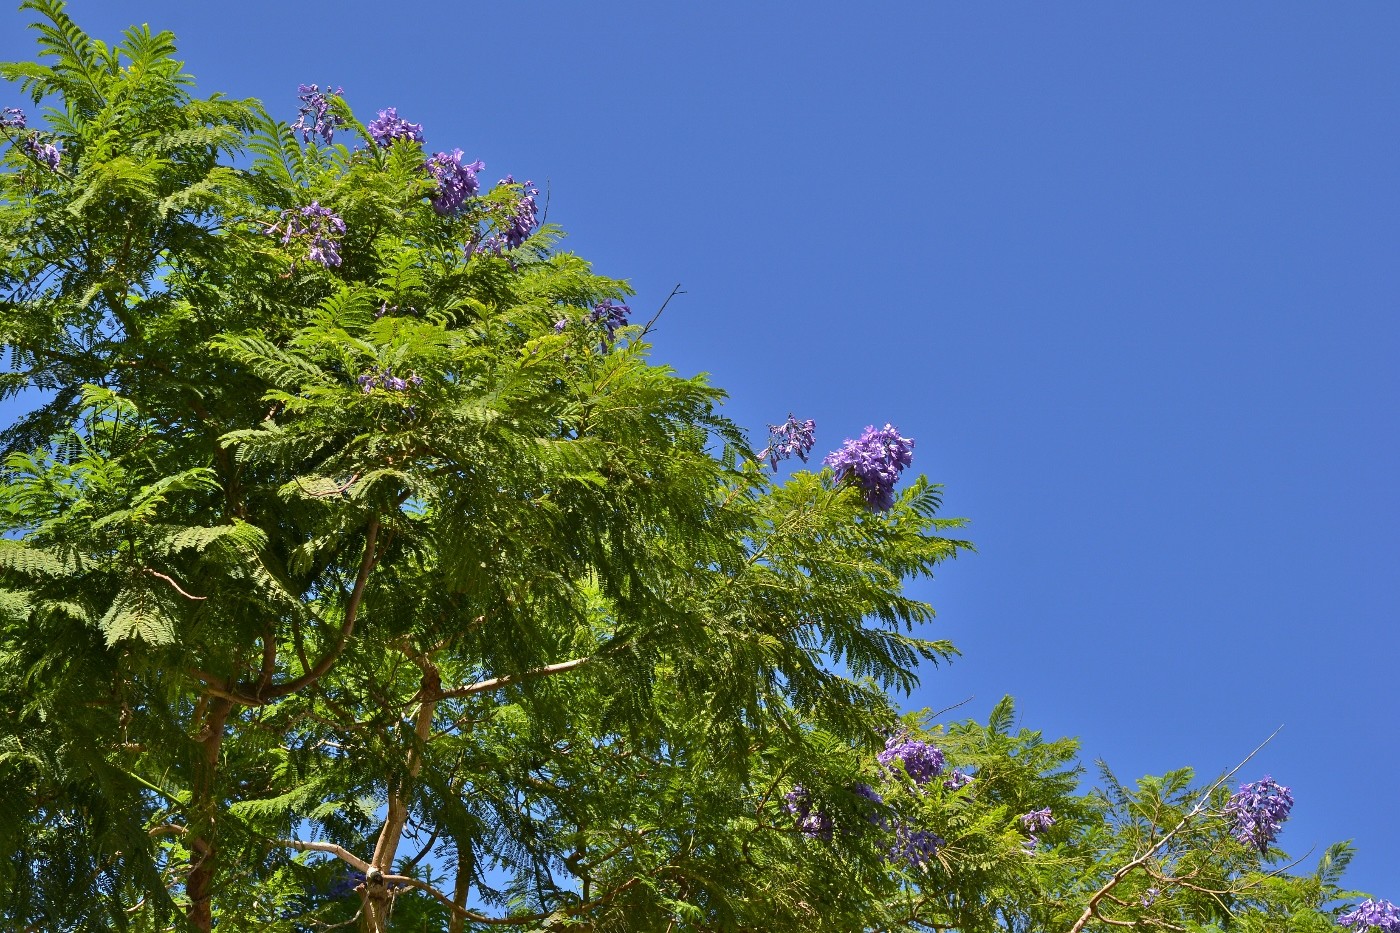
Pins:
x: 352, y: 611
x: 505, y: 680
x: 178, y: 588
x: 674, y: 292
x: 340, y: 852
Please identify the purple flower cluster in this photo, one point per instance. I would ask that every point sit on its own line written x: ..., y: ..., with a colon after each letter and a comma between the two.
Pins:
x: 523, y: 222
x: 456, y: 182
x: 1038, y: 820
x: 1257, y: 811
x: 12, y: 118
x: 385, y: 379
x: 957, y: 780
x: 1150, y: 896
x: 923, y: 762
x: 1375, y: 916
x: 610, y: 315
x: 789, y: 438
x: 816, y: 825
x: 320, y: 225
x: 50, y: 154
x: 873, y: 462
x: 917, y: 847
x: 316, y: 117
x: 389, y: 127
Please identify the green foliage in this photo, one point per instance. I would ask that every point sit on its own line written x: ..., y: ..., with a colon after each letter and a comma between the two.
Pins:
x: 532, y: 639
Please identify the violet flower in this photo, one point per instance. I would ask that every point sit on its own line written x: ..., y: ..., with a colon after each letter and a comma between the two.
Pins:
x: 12, y: 118
x: 1038, y: 820
x: 456, y: 182
x: 49, y: 154
x: 388, y: 126
x: 320, y: 226
x: 316, y: 117
x: 922, y: 762
x: 816, y: 825
x: 1257, y: 811
x: 789, y: 438
x: 916, y: 847
x: 873, y: 463
x: 611, y: 315
x: 1376, y: 916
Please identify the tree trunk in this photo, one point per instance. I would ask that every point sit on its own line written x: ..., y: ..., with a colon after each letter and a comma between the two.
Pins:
x: 204, y: 814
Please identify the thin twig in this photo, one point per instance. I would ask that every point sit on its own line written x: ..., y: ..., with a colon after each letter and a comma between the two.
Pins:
x: 674, y: 292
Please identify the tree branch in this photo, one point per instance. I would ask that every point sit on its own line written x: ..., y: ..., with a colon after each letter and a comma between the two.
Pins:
x: 505, y: 680
x: 352, y: 611
x: 340, y: 852
x: 1091, y: 910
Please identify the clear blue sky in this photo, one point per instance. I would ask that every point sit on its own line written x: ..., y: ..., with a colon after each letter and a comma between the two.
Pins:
x: 1126, y: 272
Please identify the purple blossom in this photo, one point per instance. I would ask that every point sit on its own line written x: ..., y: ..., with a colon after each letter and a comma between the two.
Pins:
x: 790, y: 437
x: 12, y: 118
x: 1150, y: 897
x: 320, y: 226
x: 50, y: 154
x: 611, y: 315
x: 873, y: 462
x: 957, y: 780
x: 561, y: 325
x: 922, y: 762
x: 1038, y: 820
x: 868, y: 792
x: 316, y: 117
x: 455, y: 182
x: 917, y: 847
x: 523, y: 222
x: 389, y: 127
x: 1257, y: 811
x: 812, y: 825
x: 1376, y: 916
x: 385, y: 379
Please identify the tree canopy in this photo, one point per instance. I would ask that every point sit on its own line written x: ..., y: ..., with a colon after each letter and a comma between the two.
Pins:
x: 359, y: 567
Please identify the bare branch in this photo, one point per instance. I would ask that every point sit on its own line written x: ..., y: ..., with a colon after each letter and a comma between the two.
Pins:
x: 505, y: 680
x: 171, y: 581
x: 340, y: 852
x: 674, y: 292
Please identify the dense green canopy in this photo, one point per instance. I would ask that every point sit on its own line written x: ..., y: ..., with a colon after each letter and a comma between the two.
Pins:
x: 358, y: 568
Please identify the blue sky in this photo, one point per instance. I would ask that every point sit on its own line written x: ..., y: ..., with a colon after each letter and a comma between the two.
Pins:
x: 1127, y: 273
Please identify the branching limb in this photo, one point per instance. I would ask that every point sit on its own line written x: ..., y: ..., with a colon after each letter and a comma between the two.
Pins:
x: 505, y: 680
x: 1091, y: 910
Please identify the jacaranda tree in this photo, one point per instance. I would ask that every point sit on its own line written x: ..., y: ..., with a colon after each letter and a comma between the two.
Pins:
x: 359, y: 568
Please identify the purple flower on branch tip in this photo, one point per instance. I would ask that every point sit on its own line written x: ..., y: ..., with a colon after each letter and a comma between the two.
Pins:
x: 388, y: 126
x: 611, y: 315
x: 455, y: 182
x: 12, y: 118
x: 957, y: 780
x: 917, y: 847
x: 873, y: 463
x: 922, y: 762
x: 49, y: 154
x: 1376, y: 916
x: 816, y: 825
x: 792, y: 437
x: 319, y: 226
x: 1038, y: 820
x: 315, y: 118
x: 1257, y: 811
x: 521, y: 224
